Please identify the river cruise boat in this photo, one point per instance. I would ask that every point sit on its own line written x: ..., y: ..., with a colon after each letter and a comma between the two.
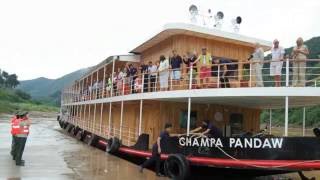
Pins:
x: 124, y: 114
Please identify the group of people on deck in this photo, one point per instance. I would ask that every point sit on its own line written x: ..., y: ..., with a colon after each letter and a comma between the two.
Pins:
x: 299, y: 56
x: 205, y: 71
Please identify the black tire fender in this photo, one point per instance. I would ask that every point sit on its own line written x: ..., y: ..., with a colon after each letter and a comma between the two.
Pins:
x: 177, y: 167
x: 113, y: 145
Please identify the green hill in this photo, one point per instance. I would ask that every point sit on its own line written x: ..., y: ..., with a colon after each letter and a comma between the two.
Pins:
x: 48, y: 90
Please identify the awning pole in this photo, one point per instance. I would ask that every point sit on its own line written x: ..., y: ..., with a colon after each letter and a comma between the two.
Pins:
x: 94, y: 118
x: 140, y: 117
x: 189, y: 112
x: 286, y: 116
x: 101, y: 113
x: 112, y: 76
x: 109, y: 123
x: 270, y: 121
x: 103, y: 82
x: 304, y: 121
x: 121, y: 120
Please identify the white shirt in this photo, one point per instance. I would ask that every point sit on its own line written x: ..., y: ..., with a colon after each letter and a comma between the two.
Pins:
x: 164, y: 65
x: 153, y: 69
x: 258, y: 55
x: 277, y: 53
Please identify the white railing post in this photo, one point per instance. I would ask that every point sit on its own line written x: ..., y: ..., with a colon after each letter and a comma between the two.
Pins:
x: 218, y: 77
x: 101, y: 113
x: 142, y: 81
x: 128, y: 136
x: 250, y: 74
x: 170, y: 74
x: 94, y: 117
x: 304, y: 122
x: 91, y: 86
x: 123, y: 84
x: 140, y: 116
x: 103, y: 82
x: 121, y: 120
x: 190, y: 78
x: 112, y: 76
x: 109, y: 123
x: 270, y: 121
x: 156, y: 83
x: 287, y: 72
x: 286, y: 116
x: 189, y: 112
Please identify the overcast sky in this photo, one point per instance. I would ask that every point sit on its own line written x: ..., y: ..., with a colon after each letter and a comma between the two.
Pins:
x: 42, y: 38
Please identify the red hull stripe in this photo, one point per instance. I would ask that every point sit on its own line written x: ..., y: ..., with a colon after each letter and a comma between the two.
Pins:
x: 206, y: 161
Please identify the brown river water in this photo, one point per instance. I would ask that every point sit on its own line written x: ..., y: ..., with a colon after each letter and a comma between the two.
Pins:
x: 52, y: 154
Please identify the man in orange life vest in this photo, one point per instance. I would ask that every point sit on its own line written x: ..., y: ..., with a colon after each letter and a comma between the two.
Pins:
x: 20, y: 129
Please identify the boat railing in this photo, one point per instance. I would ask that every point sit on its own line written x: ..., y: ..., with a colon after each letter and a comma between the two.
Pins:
x: 231, y: 74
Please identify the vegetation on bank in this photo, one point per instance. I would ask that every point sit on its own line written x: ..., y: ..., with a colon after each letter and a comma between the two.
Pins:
x: 12, y: 99
x: 312, y: 116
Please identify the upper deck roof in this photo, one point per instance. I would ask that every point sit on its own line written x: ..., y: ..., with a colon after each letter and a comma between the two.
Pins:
x: 202, y: 32
x: 124, y: 58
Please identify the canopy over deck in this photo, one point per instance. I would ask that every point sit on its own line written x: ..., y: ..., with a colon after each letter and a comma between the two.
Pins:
x: 202, y: 32
x: 110, y: 59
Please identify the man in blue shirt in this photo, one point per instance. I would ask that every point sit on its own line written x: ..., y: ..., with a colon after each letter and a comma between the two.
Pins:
x: 208, y: 129
x: 175, y: 63
x: 224, y: 71
x: 156, y: 149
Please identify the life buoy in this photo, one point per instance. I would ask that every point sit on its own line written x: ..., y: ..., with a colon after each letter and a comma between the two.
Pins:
x: 177, y: 167
x: 70, y: 128
x: 316, y: 132
x: 79, y: 135
x: 60, y: 124
x: 113, y: 145
x: 75, y: 130
x: 93, y: 140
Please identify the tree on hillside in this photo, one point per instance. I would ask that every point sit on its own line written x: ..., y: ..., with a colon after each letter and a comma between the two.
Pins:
x: 8, y: 80
x: 12, y: 81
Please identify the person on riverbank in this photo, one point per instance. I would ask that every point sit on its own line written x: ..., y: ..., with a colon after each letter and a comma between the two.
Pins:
x: 157, y: 149
x: 21, y: 137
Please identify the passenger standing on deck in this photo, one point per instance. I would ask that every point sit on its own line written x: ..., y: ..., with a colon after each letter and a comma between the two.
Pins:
x: 157, y: 149
x: 145, y: 76
x: 163, y: 73
x: 189, y: 60
x: 277, y: 53
x: 257, y: 64
x: 132, y: 74
x: 153, y: 70
x: 205, y: 61
x: 175, y: 63
x: 299, y: 54
x: 21, y: 137
x: 224, y: 72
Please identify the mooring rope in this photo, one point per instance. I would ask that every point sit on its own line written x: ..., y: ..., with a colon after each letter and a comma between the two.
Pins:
x: 251, y: 164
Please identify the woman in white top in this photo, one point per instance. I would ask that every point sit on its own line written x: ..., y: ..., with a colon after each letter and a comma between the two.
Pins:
x: 257, y: 64
x: 299, y: 55
x: 163, y: 73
